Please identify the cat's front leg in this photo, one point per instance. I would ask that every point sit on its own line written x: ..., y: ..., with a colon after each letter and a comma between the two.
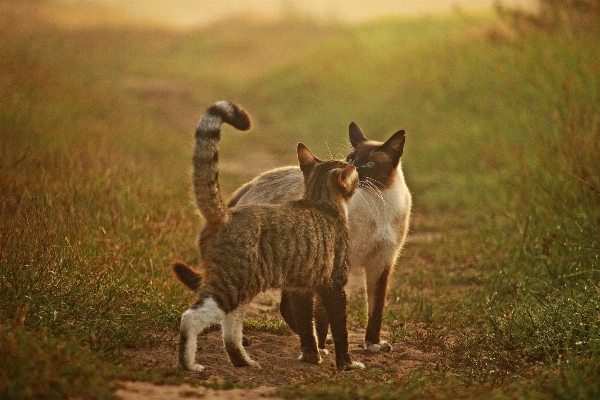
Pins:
x: 286, y: 308
x: 302, y: 306
x: 334, y: 301
x: 377, y: 283
x: 321, y: 325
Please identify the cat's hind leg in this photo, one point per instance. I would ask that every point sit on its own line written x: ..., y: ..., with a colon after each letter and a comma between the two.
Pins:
x: 194, y: 321
x: 232, y: 325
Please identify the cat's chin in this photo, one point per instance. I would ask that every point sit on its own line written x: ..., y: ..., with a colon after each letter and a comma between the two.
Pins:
x: 380, y: 347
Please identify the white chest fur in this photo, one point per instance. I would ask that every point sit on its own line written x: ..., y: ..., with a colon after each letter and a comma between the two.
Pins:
x: 379, y: 222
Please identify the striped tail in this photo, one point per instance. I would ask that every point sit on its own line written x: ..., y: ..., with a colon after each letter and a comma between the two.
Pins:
x: 206, y: 159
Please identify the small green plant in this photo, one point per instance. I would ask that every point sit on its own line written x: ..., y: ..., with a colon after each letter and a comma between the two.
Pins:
x: 266, y: 324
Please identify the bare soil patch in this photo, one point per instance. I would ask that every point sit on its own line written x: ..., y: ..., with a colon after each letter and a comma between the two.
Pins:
x: 277, y: 355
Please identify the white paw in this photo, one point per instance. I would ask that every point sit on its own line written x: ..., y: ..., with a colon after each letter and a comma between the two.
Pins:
x: 197, y: 368
x: 313, y: 359
x: 324, y: 352
x: 354, y: 365
x: 378, y: 347
x: 254, y: 364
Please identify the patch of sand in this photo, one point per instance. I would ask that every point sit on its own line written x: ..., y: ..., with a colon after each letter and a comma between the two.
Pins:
x: 149, y: 391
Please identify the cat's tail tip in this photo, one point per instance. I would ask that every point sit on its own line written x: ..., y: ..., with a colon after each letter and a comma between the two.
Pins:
x: 223, y: 111
x: 187, y: 275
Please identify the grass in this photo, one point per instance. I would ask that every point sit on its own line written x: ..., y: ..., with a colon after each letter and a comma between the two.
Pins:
x: 503, y: 128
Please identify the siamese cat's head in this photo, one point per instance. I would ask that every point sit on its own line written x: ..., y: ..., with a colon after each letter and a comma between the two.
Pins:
x: 375, y: 162
x: 338, y: 176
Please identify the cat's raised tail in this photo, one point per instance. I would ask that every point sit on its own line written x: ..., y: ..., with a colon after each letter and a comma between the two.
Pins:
x: 187, y: 275
x: 206, y: 159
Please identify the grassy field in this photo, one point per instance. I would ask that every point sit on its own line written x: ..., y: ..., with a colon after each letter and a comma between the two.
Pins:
x: 503, y: 135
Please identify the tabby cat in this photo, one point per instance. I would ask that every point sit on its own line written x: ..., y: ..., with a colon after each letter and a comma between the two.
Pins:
x: 378, y: 216
x: 299, y: 246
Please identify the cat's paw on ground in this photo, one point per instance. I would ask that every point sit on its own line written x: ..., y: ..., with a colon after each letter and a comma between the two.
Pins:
x: 354, y: 365
x: 311, y: 358
x: 382, y: 346
x: 197, y: 368
x: 254, y: 364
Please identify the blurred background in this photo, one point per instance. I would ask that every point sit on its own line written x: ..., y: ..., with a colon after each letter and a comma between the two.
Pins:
x: 500, y: 103
x: 190, y: 13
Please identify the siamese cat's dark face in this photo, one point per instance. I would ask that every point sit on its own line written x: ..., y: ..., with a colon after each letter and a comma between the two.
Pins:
x: 376, y: 162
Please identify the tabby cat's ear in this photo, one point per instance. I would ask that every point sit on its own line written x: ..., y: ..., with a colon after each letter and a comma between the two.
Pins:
x: 357, y: 137
x: 347, y: 178
x: 394, y: 146
x: 306, y: 159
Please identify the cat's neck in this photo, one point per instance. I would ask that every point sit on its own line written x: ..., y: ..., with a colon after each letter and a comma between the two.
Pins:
x: 390, y: 197
x: 318, y: 192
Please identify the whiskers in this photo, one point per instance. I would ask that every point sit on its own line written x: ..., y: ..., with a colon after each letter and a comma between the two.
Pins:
x: 342, y: 150
x: 373, y: 196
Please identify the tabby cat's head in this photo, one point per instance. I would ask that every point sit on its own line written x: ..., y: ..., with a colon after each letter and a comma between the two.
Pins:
x: 337, y: 176
x: 376, y: 162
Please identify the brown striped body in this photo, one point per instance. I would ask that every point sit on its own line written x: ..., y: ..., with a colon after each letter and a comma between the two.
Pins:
x: 301, y: 246
x: 293, y: 246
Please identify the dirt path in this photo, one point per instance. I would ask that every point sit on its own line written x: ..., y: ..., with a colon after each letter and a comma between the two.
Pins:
x: 148, y: 391
x: 277, y: 355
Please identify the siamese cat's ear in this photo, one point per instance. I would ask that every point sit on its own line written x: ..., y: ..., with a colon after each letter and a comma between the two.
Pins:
x: 306, y: 159
x: 347, y: 177
x: 357, y: 137
x: 394, y: 147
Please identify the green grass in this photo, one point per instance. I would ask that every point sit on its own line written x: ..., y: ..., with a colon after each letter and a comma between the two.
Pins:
x: 95, y: 133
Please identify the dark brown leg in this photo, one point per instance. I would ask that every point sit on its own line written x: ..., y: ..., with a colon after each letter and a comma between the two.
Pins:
x: 321, y: 322
x: 376, y: 294
x: 287, y: 310
x: 303, y: 304
x: 334, y: 300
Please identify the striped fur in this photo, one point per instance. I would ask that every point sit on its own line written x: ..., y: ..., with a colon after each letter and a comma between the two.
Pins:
x: 206, y: 159
x: 301, y: 246
x: 378, y: 217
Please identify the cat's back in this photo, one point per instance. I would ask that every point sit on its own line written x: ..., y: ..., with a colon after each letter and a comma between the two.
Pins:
x: 276, y: 186
x: 285, y: 222
x: 284, y: 245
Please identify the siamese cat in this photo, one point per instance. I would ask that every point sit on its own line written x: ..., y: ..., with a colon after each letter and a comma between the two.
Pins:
x: 378, y: 216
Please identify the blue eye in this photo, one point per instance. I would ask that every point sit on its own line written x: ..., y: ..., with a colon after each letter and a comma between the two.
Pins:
x: 370, y: 164
x: 349, y: 160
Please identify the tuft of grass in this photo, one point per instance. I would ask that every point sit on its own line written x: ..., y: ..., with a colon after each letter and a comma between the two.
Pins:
x: 540, y: 304
x: 266, y: 324
x: 40, y: 365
